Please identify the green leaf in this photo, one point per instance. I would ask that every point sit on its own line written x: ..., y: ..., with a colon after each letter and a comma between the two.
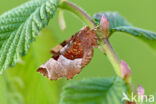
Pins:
x: 26, y: 81
x: 20, y: 26
x: 136, y: 32
x: 11, y: 95
x: 144, y: 35
x: 94, y: 91
x: 115, y: 20
x: 119, y: 24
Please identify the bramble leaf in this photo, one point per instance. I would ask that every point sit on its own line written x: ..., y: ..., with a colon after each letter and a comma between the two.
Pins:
x: 119, y: 24
x: 144, y: 35
x: 115, y: 20
x: 94, y: 91
x: 20, y: 26
x: 136, y: 32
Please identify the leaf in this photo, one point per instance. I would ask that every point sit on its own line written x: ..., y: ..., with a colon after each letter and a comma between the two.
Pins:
x: 144, y: 35
x: 136, y: 32
x: 33, y: 85
x: 115, y: 20
x: 20, y: 26
x: 94, y: 91
x: 119, y: 24
x: 11, y: 95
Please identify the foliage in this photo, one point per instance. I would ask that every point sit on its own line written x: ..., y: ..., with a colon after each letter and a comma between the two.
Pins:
x: 23, y: 79
x: 94, y: 91
x: 114, y: 18
x: 20, y: 26
x: 119, y: 24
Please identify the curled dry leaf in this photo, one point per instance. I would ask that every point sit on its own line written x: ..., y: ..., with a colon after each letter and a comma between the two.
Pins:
x: 70, y: 56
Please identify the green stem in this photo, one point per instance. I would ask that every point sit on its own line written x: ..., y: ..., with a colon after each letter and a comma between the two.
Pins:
x: 112, y: 56
x: 78, y: 12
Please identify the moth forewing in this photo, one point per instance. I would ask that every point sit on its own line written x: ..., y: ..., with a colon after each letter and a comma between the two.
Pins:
x: 70, y: 56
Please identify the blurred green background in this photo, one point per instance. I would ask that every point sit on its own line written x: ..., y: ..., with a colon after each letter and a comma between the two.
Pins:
x: 23, y: 85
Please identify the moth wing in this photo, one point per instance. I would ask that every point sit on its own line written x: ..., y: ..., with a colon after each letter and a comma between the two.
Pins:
x: 87, y: 57
x: 57, y: 49
x: 70, y: 56
x: 63, y: 67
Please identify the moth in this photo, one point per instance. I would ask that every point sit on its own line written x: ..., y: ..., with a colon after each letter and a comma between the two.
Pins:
x: 70, y: 56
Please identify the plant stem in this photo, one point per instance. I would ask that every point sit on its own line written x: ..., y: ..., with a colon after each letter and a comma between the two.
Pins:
x: 78, y: 12
x: 106, y: 47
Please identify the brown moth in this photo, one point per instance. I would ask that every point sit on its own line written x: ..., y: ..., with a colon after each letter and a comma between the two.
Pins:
x: 70, y: 56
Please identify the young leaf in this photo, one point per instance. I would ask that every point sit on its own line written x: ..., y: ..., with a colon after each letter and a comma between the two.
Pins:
x: 119, y: 24
x: 94, y: 91
x: 20, y: 26
x: 115, y: 20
